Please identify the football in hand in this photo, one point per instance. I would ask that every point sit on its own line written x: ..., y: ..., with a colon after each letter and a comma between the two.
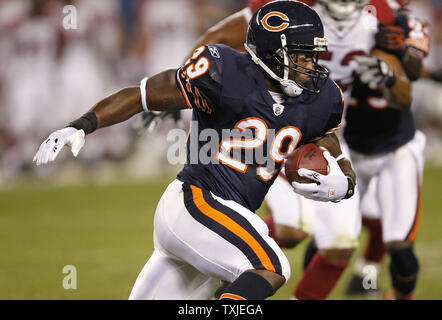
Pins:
x: 308, y: 156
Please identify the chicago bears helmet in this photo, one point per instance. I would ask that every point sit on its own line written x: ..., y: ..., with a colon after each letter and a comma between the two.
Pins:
x: 341, y: 9
x: 277, y: 32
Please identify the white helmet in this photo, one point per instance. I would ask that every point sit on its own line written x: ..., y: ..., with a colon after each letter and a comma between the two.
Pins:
x: 341, y: 9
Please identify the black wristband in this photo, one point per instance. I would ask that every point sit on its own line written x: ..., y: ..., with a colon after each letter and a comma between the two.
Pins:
x: 88, y: 123
x: 351, y: 187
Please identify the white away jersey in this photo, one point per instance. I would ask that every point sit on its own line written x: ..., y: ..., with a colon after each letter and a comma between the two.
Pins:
x: 346, y: 39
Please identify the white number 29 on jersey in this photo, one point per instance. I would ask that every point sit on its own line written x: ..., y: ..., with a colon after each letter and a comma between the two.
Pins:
x: 261, y: 134
x: 200, y: 67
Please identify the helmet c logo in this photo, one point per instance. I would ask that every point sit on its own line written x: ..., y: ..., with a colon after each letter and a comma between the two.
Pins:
x: 278, y: 28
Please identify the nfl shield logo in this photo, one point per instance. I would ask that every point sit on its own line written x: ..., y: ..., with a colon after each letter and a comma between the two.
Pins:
x: 278, y: 109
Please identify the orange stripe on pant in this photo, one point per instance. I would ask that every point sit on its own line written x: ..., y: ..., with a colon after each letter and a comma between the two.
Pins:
x: 231, y: 225
x: 413, y: 232
x: 231, y: 296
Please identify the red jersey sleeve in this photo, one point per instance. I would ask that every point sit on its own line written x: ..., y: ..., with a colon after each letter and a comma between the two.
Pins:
x: 384, y: 12
x: 256, y: 4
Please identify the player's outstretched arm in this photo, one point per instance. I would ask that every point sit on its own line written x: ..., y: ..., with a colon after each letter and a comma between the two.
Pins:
x: 158, y: 93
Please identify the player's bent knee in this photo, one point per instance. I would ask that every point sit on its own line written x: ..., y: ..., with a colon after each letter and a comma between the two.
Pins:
x: 289, y: 237
x: 253, y: 285
x: 276, y: 280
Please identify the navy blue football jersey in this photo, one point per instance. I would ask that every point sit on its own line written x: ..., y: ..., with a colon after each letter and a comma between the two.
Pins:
x: 250, y: 133
x: 372, y: 127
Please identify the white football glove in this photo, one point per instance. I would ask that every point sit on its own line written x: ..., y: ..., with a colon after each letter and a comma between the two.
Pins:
x: 374, y: 72
x: 49, y: 149
x: 330, y: 187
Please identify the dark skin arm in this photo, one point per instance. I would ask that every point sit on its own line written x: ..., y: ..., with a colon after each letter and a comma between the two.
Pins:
x: 162, y: 95
x: 399, y: 95
x: 412, y: 64
x: 331, y: 143
x: 230, y: 31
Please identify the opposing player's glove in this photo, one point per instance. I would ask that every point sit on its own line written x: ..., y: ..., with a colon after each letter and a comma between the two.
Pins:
x: 153, y: 119
x: 331, y: 187
x: 374, y: 72
x: 50, y: 148
x: 391, y: 38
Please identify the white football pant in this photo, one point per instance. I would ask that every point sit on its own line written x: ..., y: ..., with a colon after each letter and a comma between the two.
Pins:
x: 397, y: 180
x: 200, y: 239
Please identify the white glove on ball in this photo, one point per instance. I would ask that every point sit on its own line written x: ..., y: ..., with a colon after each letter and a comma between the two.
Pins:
x: 330, y: 187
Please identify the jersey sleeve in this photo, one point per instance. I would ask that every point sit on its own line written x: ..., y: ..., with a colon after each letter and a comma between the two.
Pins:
x: 335, y: 119
x: 254, y: 5
x: 384, y: 13
x: 200, y: 79
x: 333, y: 107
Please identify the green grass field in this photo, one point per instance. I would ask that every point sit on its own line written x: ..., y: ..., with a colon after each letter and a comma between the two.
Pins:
x: 105, y: 231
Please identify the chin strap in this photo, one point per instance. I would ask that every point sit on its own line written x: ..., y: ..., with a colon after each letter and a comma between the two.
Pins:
x: 289, y: 87
x: 286, y: 57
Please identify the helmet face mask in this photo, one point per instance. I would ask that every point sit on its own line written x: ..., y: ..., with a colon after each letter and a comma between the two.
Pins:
x: 342, y: 9
x: 300, y: 72
x: 279, y: 34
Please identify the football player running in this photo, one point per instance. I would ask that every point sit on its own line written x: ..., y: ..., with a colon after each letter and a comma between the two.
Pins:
x: 205, y: 229
x: 351, y: 32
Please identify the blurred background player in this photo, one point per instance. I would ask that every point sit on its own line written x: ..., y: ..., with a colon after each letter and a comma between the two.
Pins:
x: 371, y: 73
x: 279, y: 64
x: 30, y: 37
x: 351, y: 28
x: 47, y: 73
x: 382, y: 153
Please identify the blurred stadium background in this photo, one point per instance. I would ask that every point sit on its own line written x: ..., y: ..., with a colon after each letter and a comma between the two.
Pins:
x: 96, y: 212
